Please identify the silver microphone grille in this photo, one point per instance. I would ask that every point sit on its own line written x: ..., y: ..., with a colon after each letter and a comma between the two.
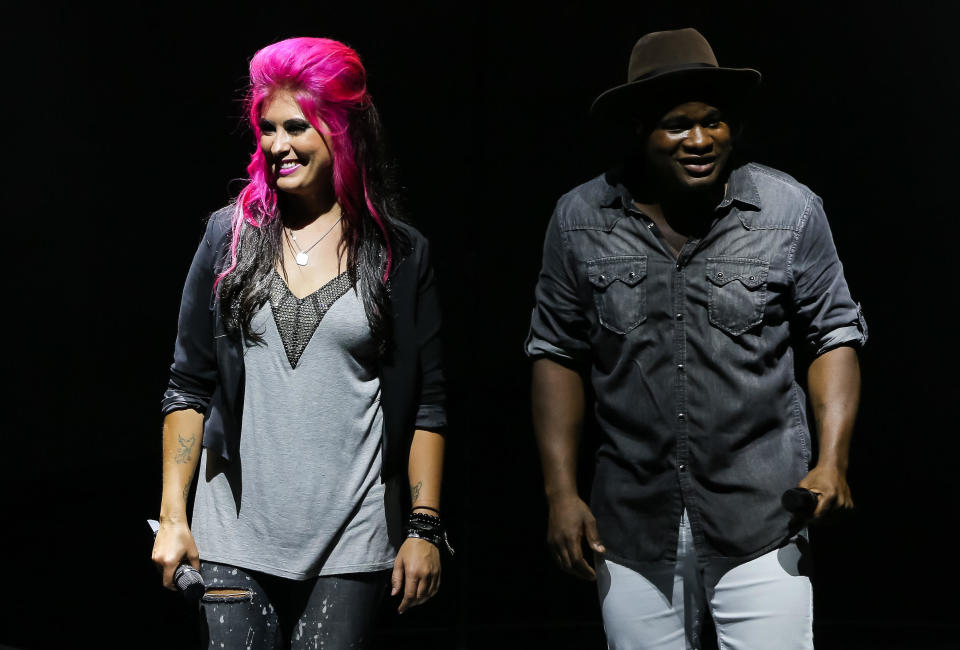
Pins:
x: 186, y: 576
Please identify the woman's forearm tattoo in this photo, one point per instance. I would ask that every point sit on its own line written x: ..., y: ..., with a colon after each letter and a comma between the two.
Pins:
x: 186, y: 449
x: 415, y: 491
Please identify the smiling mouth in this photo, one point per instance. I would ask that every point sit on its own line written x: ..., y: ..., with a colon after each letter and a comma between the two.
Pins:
x: 287, y: 167
x: 698, y: 166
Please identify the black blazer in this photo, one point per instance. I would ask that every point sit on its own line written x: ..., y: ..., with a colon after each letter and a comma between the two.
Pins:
x: 207, y: 374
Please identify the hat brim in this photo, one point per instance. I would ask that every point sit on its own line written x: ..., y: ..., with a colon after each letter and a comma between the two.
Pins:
x: 623, y: 103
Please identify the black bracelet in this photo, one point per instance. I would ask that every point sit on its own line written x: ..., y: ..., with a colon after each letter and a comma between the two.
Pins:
x: 428, y: 528
x: 424, y: 508
x: 423, y: 521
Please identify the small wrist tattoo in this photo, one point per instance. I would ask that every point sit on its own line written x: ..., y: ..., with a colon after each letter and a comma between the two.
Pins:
x: 415, y: 491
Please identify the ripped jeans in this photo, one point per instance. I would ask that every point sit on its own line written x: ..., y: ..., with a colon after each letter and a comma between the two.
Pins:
x: 258, y: 611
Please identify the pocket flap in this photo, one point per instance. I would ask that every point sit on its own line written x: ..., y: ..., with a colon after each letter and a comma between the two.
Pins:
x: 751, y: 273
x: 629, y: 270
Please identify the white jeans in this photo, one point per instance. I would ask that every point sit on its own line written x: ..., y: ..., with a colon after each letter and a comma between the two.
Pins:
x: 762, y: 604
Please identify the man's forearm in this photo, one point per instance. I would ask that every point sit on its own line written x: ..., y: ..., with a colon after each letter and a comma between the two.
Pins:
x: 834, y: 383
x: 182, y: 441
x: 558, y: 406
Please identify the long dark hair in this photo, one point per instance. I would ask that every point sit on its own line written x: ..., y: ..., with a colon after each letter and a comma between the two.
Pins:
x: 328, y: 82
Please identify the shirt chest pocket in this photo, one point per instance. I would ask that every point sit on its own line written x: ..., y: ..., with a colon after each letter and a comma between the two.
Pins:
x: 619, y: 291
x: 738, y: 292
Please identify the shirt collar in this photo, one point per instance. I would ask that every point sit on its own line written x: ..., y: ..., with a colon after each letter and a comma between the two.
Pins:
x: 740, y: 188
x: 615, y: 194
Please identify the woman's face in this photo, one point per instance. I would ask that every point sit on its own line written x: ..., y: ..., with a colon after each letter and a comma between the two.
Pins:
x: 296, y: 153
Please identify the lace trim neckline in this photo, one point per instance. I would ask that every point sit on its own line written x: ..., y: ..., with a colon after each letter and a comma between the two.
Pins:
x: 298, y: 318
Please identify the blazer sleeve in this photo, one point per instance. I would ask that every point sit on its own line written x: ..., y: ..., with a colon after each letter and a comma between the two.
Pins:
x: 193, y: 374
x: 431, y: 411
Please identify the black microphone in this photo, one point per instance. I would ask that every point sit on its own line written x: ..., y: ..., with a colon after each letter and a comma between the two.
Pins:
x: 188, y: 580
x: 800, y: 501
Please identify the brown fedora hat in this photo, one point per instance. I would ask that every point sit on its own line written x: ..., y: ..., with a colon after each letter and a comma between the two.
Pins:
x: 671, y: 61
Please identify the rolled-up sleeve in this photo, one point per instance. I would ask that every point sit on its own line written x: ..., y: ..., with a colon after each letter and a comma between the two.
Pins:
x: 193, y: 374
x: 824, y: 315
x: 558, y: 325
x: 431, y: 410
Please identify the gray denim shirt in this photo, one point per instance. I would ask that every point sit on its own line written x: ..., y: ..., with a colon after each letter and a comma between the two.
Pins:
x: 692, y: 358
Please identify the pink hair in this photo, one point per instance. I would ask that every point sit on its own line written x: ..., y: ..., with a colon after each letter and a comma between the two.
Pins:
x: 328, y: 82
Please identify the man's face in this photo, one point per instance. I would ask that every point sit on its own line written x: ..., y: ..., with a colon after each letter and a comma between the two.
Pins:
x: 689, y: 147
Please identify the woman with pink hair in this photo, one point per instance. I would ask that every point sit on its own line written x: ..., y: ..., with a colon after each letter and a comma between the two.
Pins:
x: 310, y: 322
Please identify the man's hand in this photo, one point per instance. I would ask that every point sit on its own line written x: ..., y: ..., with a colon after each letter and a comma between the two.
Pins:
x: 831, y: 486
x: 416, y: 573
x: 570, y: 523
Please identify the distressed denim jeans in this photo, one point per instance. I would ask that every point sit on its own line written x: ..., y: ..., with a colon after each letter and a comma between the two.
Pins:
x: 761, y: 604
x: 265, y: 612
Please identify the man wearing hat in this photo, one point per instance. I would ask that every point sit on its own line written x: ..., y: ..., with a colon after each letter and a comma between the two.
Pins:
x: 696, y: 292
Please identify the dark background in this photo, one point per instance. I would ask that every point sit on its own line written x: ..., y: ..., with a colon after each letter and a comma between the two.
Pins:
x: 123, y: 132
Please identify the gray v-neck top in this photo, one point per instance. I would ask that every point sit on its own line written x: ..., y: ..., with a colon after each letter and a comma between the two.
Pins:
x: 304, y: 496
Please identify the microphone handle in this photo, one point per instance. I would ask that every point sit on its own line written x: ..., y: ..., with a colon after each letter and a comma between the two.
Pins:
x: 800, y: 501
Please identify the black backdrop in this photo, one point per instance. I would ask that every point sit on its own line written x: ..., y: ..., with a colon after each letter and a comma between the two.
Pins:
x: 123, y: 132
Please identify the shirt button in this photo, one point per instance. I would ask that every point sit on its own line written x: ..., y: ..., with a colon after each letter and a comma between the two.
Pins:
x: 679, y: 316
x: 680, y: 367
x: 681, y: 416
x: 683, y: 468
x: 603, y: 278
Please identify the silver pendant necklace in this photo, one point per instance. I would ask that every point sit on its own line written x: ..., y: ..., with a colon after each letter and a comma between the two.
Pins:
x: 302, y: 256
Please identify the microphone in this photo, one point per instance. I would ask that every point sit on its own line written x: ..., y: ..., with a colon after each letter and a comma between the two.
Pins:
x: 188, y: 580
x: 801, y: 502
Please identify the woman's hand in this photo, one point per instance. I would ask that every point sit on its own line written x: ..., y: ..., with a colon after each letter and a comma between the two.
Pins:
x: 174, y: 542
x: 416, y: 572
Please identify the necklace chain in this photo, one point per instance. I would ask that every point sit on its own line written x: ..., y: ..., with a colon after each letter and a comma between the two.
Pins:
x: 303, y: 257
